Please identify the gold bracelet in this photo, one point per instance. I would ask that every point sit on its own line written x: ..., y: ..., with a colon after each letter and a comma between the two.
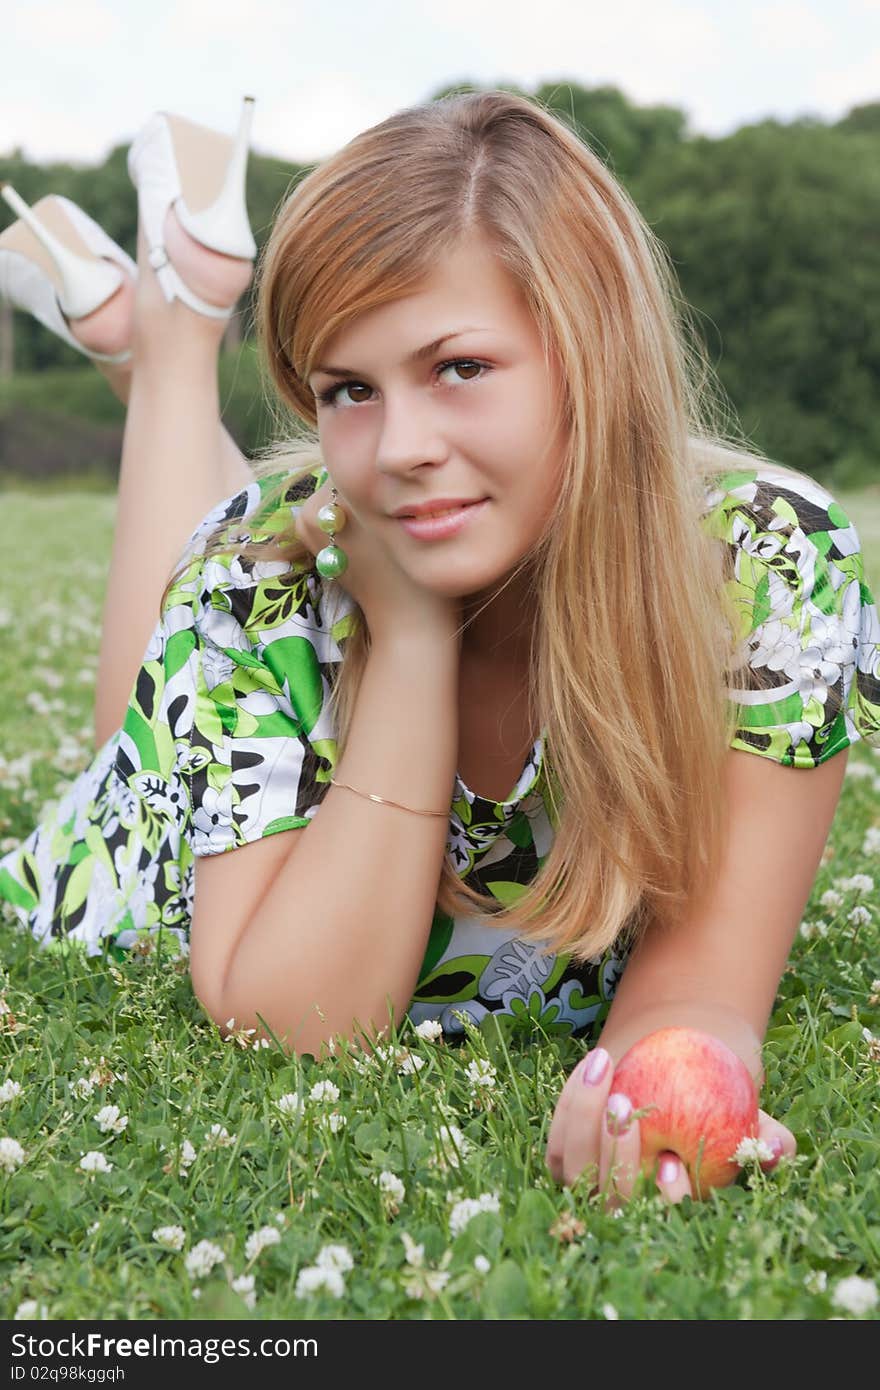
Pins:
x: 386, y: 801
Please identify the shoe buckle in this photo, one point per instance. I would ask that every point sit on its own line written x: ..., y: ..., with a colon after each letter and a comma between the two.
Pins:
x: 158, y: 257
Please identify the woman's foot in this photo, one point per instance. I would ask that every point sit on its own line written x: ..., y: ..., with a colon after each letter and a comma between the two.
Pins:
x: 161, y: 327
x: 214, y: 277
x: 56, y: 261
x: 108, y: 329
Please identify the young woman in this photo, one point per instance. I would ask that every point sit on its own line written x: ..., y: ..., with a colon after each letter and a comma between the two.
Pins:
x: 373, y: 764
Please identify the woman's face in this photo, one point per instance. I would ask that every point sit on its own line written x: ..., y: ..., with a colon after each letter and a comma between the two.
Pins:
x: 399, y: 433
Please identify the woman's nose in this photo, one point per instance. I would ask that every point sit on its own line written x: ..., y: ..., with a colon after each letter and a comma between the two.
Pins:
x: 409, y: 435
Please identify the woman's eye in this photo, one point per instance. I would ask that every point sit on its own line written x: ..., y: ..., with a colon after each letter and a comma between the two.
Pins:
x: 463, y: 363
x: 332, y: 397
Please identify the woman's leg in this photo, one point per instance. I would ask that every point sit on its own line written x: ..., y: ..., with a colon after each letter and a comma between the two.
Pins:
x: 177, y: 462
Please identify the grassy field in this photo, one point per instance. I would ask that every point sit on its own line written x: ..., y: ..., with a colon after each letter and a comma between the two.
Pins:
x: 254, y: 1194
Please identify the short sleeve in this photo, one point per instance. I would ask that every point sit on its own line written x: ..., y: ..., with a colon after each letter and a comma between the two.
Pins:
x: 250, y: 653
x: 810, y: 682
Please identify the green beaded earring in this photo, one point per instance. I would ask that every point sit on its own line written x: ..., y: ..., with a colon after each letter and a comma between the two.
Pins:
x: 332, y: 560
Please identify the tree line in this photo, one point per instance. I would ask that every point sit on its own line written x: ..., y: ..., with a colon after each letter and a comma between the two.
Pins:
x: 773, y: 231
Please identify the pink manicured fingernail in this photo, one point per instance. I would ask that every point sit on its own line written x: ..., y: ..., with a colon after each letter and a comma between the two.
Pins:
x: 618, y: 1112
x: 595, y: 1066
x: 776, y: 1147
x: 669, y: 1169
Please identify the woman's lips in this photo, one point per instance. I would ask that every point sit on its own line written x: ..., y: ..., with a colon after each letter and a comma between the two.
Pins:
x: 442, y: 524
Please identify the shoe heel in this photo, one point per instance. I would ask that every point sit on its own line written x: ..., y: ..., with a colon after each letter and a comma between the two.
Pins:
x: 82, y: 286
x: 171, y: 163
x: 224, y: 226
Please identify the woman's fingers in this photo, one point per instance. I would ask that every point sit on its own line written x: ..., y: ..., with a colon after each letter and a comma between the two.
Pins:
x: 777, y: 1138
x: 594, y: 1128
x: 573, y: 1141
x: 620, y: 1150
x: 673, y: 1182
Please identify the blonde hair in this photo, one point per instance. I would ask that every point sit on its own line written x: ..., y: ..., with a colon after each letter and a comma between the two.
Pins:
x: 637, y: 640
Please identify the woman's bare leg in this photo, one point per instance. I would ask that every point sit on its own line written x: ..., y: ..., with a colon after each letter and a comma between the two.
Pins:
x: 178, y: 461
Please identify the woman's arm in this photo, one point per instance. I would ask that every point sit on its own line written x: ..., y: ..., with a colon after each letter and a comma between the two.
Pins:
x: 719, y: 969
x: 317, y: 927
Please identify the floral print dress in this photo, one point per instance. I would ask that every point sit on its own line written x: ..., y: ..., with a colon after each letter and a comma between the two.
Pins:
x: 227, y: 738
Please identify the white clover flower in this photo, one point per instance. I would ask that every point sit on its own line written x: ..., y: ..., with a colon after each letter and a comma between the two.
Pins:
x: 855, y: 1295
x: 187, y: 1154
x: 218, y: 1137
x: 465, y: 1210
x: 314, y: 1278
x: 832, y: 899
x: 413, y: 1254
x: 431, y: 1281
x: 481, y: 1264
x: 170, y: 1237
x: 260, y: 1240
x: 871, y: 842
x: 256, y: 1045
x: 82, y: 1088
x: 110, y: 1121
x: 610, y: 1312
x: 245, y: 1285
x: 335, y: 1122
x: 409, y: 1063
x: 10, y: 1090
x: 428, y: 1283
x: 859, y: 883
x: 390, y: 1182
x: 202, y: 1258
x: 454, y: 1148
x: 95, y: 1162
x: 30, y: 1311
x: 816, y: 1281
x: 242, y: 1036
x: 392, y: 1189
x: 430, y: 1030
x: 748, y: 1149
x: 481, y: 1073
x: 860, y: 916
x: 807, y: 930
x: 336, y: 1257
x: 101, y: 1075
x: 289, y: 1104
x: 324, y: 1091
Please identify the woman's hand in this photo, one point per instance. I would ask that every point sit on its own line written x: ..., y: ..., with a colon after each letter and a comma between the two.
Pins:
x: 391, y: 601
x: 589, y: 1129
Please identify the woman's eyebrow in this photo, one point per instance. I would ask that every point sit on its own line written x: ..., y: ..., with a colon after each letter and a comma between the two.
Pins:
x: 418, y: 356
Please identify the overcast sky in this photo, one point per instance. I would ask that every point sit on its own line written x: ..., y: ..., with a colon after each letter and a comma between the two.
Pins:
x: 80, y: 76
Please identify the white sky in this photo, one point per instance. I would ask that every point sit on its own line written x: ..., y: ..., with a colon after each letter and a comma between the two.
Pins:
x: 79, y: 76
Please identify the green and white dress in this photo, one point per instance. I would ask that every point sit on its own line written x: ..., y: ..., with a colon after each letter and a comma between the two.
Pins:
x: 228, y: 738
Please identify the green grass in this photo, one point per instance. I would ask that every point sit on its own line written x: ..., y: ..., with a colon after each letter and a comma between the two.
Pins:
x: 83, y: 1247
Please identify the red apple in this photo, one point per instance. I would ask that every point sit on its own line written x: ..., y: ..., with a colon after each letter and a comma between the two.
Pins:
x: 702, y: 1101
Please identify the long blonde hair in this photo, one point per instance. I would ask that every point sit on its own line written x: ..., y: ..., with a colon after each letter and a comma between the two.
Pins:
x: 637, y: 641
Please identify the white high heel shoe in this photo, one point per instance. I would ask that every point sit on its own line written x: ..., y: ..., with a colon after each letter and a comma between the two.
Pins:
x: 54, y: 264
x: 201, y: 174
